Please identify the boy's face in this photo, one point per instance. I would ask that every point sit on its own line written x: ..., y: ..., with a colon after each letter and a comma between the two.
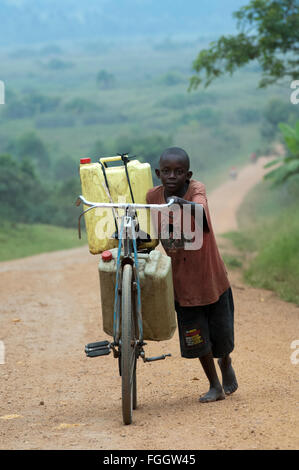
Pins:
x: 173, y: 174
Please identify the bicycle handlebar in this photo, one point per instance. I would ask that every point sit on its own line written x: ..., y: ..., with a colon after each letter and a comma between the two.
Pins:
x: 122, y: 205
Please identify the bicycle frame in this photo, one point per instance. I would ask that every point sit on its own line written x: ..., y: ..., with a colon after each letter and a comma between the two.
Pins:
x: 127, y: 242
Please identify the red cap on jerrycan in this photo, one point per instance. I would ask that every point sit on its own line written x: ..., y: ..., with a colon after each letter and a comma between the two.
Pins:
x: 106, y: 256
x: 84, y: 160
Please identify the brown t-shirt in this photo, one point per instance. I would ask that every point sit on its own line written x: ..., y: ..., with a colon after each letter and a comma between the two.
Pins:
x: 199, y: 276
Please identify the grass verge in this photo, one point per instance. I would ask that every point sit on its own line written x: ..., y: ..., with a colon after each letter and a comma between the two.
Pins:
x: 268, y: 240
x: 21, y: 240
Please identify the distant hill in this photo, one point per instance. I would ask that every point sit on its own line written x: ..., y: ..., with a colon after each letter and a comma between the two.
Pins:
x: 28, y: 21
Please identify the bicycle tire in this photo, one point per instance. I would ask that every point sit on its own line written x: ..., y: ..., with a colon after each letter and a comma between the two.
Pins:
x: 128, y: 348
x: 135, y: 387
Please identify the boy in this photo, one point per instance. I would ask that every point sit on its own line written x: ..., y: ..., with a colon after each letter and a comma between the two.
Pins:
x: 203, y: 297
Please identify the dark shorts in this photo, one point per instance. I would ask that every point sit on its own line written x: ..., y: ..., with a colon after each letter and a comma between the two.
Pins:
x: 207, y: 328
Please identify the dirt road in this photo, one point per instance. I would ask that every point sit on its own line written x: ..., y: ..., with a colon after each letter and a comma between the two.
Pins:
x: 53, y: 397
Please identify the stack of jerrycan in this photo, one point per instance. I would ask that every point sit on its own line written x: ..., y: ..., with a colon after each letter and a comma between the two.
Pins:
x: 157, y: 299
x: 106, y: 184
x: 100, y: 183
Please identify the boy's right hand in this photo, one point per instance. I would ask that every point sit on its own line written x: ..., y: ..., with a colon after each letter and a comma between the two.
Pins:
x: 177, y: 200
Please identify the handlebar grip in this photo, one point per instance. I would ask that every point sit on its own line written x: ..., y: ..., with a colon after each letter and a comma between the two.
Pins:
x: 110, y: 159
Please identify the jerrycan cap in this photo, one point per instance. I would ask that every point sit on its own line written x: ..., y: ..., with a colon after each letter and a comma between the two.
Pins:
x: 106, y: 256
x: 84, y: 160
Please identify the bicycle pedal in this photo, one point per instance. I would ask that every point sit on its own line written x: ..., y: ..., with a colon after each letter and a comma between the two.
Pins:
x: 98, y: 352
x: 99, y: 344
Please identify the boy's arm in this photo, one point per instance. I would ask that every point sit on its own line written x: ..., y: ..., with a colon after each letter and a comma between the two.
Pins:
x: 181, y: 202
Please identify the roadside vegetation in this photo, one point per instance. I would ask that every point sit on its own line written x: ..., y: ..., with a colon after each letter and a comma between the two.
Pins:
x: 86, y: 101
x: 20, y: 240
x: 268, y: 239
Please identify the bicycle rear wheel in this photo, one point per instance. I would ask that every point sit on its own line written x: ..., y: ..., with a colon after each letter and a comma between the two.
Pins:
x: 128, y: 347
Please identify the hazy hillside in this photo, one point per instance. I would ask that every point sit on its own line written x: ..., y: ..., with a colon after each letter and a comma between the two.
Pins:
x: 25, y: 21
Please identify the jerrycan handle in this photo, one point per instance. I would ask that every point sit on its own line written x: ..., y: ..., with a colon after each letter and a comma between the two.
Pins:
x: 103, y: 160
x: 122, y: 157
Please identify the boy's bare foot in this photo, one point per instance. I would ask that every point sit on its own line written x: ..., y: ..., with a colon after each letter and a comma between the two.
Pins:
x: 229, y: 381
x: 214, y: 394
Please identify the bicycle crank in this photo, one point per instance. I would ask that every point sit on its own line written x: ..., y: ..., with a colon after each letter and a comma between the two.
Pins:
x: 155, y: 358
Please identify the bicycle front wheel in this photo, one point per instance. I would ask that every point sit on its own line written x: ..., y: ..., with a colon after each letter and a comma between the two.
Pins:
x: 128, y: 347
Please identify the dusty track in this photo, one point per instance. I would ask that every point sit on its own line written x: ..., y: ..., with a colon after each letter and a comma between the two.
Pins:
x: 62, y: 400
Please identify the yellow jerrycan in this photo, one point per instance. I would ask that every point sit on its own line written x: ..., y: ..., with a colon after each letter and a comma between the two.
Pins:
x: 102, y: 183
x: 157, y: 295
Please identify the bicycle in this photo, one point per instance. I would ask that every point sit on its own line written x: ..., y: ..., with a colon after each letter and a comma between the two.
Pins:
x: 127, y: 344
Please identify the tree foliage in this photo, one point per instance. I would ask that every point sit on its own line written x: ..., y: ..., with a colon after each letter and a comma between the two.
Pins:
x: 288, y: 165
x: 30, y: 146
x: 29, y: 105
x: 26, y: 198
x: 268, y: 33
x: 276, y: 111
x: 105, y: 80
x: 21, y: 192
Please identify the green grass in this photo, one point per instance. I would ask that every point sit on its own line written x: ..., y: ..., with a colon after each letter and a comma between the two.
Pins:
x: 21, y: 240
x: 276, y: 266
x: 269, y: 240
x: 231, y: 261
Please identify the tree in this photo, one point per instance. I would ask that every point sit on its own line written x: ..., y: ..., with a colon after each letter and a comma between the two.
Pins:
x: 30, y: 146
x: 105, y: 79
x: 269, y: 34
x: 61, y: 204
x: 289, y: 165
x: 19, y: 187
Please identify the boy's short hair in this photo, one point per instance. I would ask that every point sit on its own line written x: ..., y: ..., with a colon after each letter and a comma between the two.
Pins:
x: 176, y: 151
